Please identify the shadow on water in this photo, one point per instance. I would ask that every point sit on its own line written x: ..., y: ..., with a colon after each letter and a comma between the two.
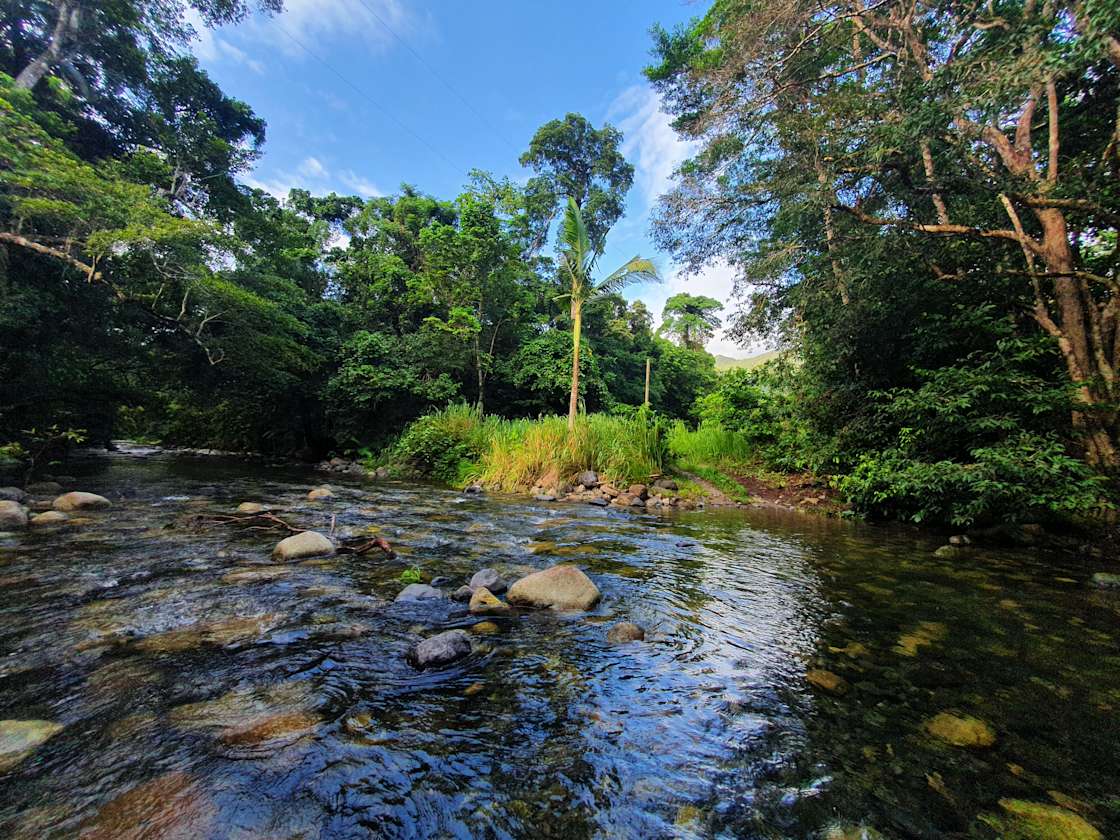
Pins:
x: 204, y: 691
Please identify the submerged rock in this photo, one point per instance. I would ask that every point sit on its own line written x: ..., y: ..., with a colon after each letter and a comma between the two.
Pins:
x: 483, y: 602
x: 49, y: 517
x: 12, y: 494
x: 926, y: 633
x: 826, y: 681
x: 1105, y: 580
x: 418, y: 592
x: 489, y: 579
x: 44, y: 487
x: 626, y: 631
x: 963, y: 731
x: 304, y: 544
x: 1035, y: 821
x: 19, y: 738
x: 12, y: 515
x: 251, y: 507
x: 485, y: 628
x: 169, y: 806
x: 317, y: 493
x: 447, y: 647
x: 221, y: 633
x: 562, y: 587
x: 80, y: 501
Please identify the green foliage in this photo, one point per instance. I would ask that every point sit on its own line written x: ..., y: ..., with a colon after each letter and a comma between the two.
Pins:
x: 1023, y: 478
x: 445, y: 445
x: 690, y: 319
x: 412, y: 575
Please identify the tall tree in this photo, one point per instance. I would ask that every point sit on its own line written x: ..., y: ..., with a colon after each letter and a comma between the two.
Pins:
x: 690, y: 319
x: 578, y: 161
x: 988, y: 130
x: 577, y: 265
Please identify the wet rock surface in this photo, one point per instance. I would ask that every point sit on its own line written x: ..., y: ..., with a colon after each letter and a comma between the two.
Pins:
x: 444, y: 649
x: 562, y: 587
x: 79, y: 500
x: 302, y: 545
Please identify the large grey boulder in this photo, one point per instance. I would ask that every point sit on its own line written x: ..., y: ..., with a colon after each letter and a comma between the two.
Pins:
x: 12, y: 515
x: 12, y: 494
x: 303, y: 544
x: 562, y: 587
x: 488, y: 579
x: 418, y: 592
x: 68, y: 502
x: 443, y: 649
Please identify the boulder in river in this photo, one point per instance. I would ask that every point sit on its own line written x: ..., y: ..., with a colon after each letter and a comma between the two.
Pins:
x: 317, y: 493
x: 562, y: 587
x: 463, y: 593
x: 49, y: 517
x: 447, y: 647
x: 19, y: 738
x: 484, y: 602
x: 80, y: 501
x: 962, y: 731
x: 12, y: 515
x: 12, y: 494
x: 488, y: 579
x: 418, y: 592
x: 303, y: 544
x: 626, y: 631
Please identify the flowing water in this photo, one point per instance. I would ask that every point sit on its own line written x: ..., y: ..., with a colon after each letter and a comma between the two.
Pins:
x: 203, y: 691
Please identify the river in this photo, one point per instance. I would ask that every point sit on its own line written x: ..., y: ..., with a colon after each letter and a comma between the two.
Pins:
x: 203, y: 691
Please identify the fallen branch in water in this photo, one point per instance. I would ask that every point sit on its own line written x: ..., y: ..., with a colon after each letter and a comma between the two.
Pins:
x: 368, y: 545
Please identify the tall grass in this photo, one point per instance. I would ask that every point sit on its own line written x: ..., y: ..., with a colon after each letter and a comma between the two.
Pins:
x: 457, y: 446
x: 708, y: 444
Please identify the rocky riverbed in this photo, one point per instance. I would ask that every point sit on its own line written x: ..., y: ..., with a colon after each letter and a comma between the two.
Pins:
x: 173, y: 663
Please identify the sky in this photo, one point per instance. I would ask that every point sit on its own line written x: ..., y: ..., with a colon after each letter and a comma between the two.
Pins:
x: 361, y: 96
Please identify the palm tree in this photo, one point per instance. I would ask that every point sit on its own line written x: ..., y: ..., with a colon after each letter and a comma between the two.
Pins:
x: 577, y: 262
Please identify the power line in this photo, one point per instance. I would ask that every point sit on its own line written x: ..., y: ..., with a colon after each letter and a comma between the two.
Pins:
x: 489, y: 125
x: 368, y: 98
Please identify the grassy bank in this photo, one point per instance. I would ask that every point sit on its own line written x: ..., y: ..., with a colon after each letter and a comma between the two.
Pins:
x: 458, y: 446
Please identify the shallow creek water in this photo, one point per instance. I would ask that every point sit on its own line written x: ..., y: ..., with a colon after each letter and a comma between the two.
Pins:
x: 206, y: 692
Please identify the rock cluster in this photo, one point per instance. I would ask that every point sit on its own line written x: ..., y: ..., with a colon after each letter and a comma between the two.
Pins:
x: 589, y: 489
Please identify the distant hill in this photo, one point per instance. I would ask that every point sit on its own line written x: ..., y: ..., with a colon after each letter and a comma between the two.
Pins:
x: 727, y: 363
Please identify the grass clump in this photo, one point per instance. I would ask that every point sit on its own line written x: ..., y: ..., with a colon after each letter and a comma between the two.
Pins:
x: 457, y: 445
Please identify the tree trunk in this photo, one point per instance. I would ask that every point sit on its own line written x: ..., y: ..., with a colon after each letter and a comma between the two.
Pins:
x: 573, y: 401
x: 65, y: 27
x: 478, y: 368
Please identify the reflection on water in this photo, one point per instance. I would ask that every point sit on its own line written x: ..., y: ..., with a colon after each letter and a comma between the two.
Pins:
x: 206, y: 692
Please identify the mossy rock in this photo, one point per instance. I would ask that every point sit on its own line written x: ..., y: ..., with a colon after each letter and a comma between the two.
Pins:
x: 1034, y: 821
x: 964, y: 731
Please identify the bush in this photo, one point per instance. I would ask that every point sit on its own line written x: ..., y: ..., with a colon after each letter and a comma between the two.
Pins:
x: 446, y: 444
x: 1024, y: 478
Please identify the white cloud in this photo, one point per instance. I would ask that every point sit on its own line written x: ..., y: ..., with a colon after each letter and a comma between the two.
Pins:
x: 716, y: 281
x: 650, y: 142
x: 211, y: 48
x: 278, y: 186
x: 312, y: 168
x: 362, y: 186
x: 312, y: 22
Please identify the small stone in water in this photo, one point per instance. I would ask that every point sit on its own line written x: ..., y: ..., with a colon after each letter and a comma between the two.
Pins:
x: 19, y: 738
x: 251, y: 507
x: 304, y: 544
x: 80, y: 501
x: 418, y: 592
x: 463, y: 593
x: 50, y: 517
x: 964, y: 731
x: 12, y: 515
x: 483, y: 602
x: 1031, y: 820
x: 486, y: 628
x: 443, y: 649
x: 626, y: 631
x: 489, y: 579
x: 317, y: 493
x: 826, y: 681
x: 473, y: 689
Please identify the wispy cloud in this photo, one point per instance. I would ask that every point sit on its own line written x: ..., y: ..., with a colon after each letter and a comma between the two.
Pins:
x: 312, y: 168
x: 314, y: 22
x: 362, y: 186
x: 650, y: 142
x: 210, y: 47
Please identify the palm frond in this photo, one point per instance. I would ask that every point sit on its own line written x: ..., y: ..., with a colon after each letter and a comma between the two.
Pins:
x: 636, y: 270
x: 573, y: 231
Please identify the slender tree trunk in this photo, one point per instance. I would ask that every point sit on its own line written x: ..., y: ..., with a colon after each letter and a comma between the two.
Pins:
x: 478, y: 369
x: 573, y: 401
x: 65, y: 27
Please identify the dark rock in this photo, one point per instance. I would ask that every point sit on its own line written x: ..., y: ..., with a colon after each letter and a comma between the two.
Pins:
x: 666, y: 484
x: 624, y: 632
x: 12, y: 515
x: 463, y: 593
x: 545, y: 497
x: 473, y: 489
x: 588, y: 479
x: 441, y: 580
x: 418, y: 592
x: 12, y: 494
x: 638, y: 490
x: 44, y: 487
x: 443, y: 649
x: 598, y: 501
x: 489, y: 579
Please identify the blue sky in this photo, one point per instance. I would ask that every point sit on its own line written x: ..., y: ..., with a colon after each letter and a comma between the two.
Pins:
x: 363, y: 95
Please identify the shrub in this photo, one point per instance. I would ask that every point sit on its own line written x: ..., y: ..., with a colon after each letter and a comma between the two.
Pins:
x: 446, y: 444
x: 1025, y: 477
